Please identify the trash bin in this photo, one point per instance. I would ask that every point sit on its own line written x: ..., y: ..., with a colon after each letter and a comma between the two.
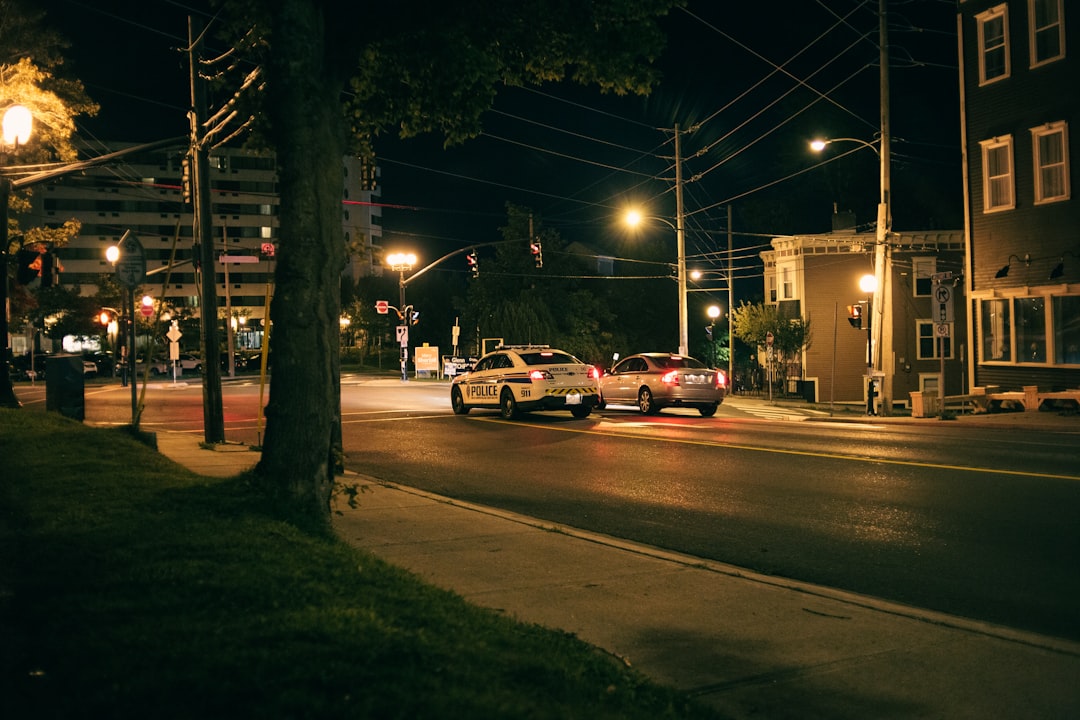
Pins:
x: 64, y: 386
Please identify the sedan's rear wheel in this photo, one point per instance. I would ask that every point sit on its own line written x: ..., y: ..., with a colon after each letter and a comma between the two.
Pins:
x: 458, y: 402
x: 707, y: 410
x: 645, y: 402
x: 507, y: 405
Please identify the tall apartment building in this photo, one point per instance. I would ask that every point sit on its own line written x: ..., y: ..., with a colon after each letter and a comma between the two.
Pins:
x: 1020, y: 94
x: 145, y: 195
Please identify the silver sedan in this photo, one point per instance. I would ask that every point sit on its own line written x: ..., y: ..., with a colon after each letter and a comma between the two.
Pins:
x: 657, y: 380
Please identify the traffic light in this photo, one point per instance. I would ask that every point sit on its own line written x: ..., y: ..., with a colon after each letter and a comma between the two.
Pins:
x: 50, y: 269
x: 29, y: 266
x: 474, y: 264
x: 855, y: 316
x: 537, y: 253
x: 105, y: 317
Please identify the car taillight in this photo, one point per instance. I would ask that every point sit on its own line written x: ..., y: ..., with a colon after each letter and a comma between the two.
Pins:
x: 671, y: 378
x: 539, y: 375
x: 721, y: 378
x: 594, y: 372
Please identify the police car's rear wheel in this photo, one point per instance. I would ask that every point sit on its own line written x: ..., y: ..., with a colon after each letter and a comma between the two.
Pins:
x: 507, y: 405
x: 458, y: 402
x: 580, y: 412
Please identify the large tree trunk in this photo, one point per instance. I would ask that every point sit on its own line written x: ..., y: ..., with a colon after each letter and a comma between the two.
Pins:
x: 305, y: 112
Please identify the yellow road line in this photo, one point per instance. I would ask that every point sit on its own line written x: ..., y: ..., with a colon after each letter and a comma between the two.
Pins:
x: 783, y: 451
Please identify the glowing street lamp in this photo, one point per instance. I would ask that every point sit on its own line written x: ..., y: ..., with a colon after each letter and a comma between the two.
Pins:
x: 18, y: 124
x: 401, y: 263
x: 633, y: 218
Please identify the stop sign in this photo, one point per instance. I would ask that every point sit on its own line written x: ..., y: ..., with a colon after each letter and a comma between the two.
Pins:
x: 382, y: 306
x: 146, y: 310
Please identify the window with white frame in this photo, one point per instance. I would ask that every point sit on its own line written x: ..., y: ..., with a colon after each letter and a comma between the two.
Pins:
x: 995, y: 329
x: 993, y: 44
x: 787, y: 283
x: 929, y: 340
x: 923, y: 269
x: 1050, y: 148
x: 997, y: 162
x: 1047, y: 31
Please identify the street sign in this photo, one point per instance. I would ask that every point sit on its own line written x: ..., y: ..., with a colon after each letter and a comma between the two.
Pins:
x: 146, y: 310
x: 769, y: 339
x: 131, y: 266
x: 403, y: 335
x: 943, y: 304
x: 382, y: 306
x: 941, y: 330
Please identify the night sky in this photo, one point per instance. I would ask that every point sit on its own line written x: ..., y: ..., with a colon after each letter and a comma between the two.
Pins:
x: 756, y: 84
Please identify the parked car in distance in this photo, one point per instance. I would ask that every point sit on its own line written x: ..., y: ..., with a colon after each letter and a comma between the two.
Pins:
x: 188, y: 363
x: 653, y: 381
x: 102, y: 361
x: 89, y: 368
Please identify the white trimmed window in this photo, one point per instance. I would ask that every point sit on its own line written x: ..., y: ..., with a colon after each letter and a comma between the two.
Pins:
x: 993, y: 44
x: 1050, y: 148
x: 923, y: 269
x: 1047, y: 31
x: 929, y: 341
x: 997, y: 157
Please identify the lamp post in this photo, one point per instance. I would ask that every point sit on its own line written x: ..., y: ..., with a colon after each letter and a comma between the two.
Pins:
x: 881, y: 307
x: 634, y: 218
x: 696, y: 275
x: 713, y: 312
x: 18, y: 123
x: 402, y: 263
x: 868, y: 284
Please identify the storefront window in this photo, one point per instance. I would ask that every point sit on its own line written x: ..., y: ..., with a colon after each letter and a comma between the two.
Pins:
x: 1031, y: 329
x: 1067, y: 330
x: 996, y: 330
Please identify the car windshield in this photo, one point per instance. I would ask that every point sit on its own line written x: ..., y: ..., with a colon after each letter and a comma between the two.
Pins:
x: 547, y: 357
x: 673, y: 362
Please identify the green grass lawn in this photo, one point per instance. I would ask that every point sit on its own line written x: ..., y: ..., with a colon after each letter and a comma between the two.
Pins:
x: 132, y: 588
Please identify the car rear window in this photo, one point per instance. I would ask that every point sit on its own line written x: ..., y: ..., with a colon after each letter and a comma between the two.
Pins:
x: 676, y: 361
x: 548, y: 358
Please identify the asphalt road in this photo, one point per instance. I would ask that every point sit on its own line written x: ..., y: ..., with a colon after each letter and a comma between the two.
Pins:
x: 974, y: 522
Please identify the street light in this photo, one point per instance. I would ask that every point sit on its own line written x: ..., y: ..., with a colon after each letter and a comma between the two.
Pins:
x: 713, y: 311
x: 881, y: 250
x: 633, y: 218
x: 402, y: 263
x: 18, y: 124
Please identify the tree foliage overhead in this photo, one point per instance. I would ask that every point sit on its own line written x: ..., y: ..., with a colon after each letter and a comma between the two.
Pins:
x: 337, y: 77
x: 753, y: 322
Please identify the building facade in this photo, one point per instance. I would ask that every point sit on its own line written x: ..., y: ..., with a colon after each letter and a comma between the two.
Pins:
x: 147, y: 196
x: 815, y: 278
x: 1019, y: 100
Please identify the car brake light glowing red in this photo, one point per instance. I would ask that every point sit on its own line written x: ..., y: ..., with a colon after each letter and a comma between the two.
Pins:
x: 671, y: 378
x: 721, y: 378
x: 594, y: 372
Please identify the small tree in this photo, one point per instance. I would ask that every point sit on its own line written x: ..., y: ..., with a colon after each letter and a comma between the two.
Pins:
x: 753, y: 323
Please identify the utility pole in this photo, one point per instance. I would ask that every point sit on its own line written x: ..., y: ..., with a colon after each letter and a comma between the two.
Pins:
x: 882, y: 304
x: 680, y: 241
x: 213, y: 410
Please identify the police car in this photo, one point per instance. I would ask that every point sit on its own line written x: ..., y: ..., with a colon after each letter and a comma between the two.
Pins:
x: 519, y: 378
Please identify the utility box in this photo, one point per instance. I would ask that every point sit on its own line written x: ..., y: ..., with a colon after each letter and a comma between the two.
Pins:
x: 64, y: 386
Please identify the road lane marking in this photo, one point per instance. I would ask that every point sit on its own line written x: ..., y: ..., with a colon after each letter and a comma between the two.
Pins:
x: 783, y: 451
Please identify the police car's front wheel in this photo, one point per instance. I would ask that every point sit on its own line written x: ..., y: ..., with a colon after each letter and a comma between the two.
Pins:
x: 508, y: 408
x: 458, y: 402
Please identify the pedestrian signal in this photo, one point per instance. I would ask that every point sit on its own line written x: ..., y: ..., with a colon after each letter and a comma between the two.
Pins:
x: 855, y: 316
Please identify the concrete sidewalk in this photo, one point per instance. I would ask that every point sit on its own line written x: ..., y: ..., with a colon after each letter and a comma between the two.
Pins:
x: 749, y: 645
